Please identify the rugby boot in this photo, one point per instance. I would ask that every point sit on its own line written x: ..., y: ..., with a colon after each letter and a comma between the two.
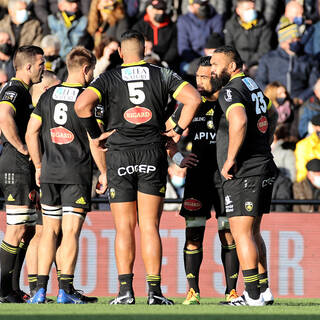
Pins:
x: 127, y: 298
x: 154, y: 299
x: 39, y: 297
x: 68, y: 298
x: 13, y: 297
x: 22, y: 295
x: 82, y: 297
x: 192, y: 298
x: 245, y: 300
x: 230, y: 296
x: 267, y: 297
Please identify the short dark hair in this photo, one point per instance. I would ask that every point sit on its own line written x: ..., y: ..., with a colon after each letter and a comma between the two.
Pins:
x: 205, y: 61
x: 232, y: 53
x: 24, y: 55
x: 80, y: 56
x: 240, y: 1
x: 133, y: 34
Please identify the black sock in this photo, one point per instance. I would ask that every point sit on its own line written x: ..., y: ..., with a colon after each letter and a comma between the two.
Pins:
x: 18, y: 266
x: 125, y: 283
x: 230, y: 262
x: 192, y: 263
x: 8, y: 255
x: 263, y: 281
x: 66, y: 282
x: 32, y: 279
x: 42, y: 282
x: 251, y: 281
x: 154, y: 282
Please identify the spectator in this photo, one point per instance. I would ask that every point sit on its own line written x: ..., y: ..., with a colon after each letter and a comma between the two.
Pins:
x: 6, y: 53
x: 50, y: 44
x: 309, y: 109
x: 194, y: 28
x: 308, y: 188
x: 68, y: 25
x: 297, y: 72
x: 308, y: 149
x: 158, y: 28
x: 249, y: 34
x: 21, y: 27
x: 107, y: 18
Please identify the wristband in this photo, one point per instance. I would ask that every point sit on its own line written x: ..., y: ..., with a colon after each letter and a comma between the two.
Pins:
x: 178, y: 129
x: 177, y: 158
x: 91, y: 125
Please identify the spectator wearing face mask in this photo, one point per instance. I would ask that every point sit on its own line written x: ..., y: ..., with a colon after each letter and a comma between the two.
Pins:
x: 21, y: 27
x: 288, y: 65
x: 308, y: 188
x: 249, y: 34
x: 6, y: 53
x: 308, y: 149
x: 194, y: 28
x: 158, y: 28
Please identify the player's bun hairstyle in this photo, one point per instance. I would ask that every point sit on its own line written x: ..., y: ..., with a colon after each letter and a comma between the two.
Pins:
x: 132, y: 35
x: 205, y: 61
x: 25, y: 55
x: 80, y: 56
x: 232, y: 53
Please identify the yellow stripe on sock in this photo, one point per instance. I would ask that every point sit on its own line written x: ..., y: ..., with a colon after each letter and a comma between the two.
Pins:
x: 9, y: 249
x: 192, y: 251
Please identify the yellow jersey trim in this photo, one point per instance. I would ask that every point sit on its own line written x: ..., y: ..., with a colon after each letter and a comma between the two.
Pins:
x: 133, y: 63
x: 182, y: 85
x: 269, y: 104
x: 10, y: 104
x: 68, y: 84
x: 203, y: 99
x: 172, y: 122
x: 97, y: 92
x: 100, y: 121
x: 233, y: 106
x: 33, y: 115
x: 24, y: 84
x: 240, y: 74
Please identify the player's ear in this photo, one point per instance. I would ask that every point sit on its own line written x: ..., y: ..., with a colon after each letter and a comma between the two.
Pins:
x: 120, y: 53
x: 233, y: 66
x: 86, y: 69
x: 28, y: 66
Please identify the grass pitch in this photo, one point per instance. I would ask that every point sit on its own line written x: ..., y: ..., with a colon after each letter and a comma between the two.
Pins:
x: 283, y: 309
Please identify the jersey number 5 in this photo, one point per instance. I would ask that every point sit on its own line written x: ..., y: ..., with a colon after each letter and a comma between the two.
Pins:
x: 261, y: 105
x: 60, y: 113
x: 136, y: 95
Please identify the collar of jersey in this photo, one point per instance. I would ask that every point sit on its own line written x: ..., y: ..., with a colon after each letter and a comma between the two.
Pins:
x: 240, y: 74
x: 24, y: 84
x: 68, y: 84
x: 133, y: 63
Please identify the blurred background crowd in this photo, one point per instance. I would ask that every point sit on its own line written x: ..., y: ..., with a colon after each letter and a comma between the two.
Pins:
x: 278, y: 40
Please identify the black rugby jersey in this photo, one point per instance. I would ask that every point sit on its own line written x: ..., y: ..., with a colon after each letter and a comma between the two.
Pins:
x: 66, y: 153
x: 202, y: 130
x: 135, y: 97
x: 255, y: 151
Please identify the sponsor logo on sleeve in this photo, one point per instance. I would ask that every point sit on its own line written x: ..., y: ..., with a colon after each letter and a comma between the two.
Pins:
x: 135, y: 73
x: 61, y: 135
x: 138, y: 115
x: 262, y: 124
x: 192, y: 204
x: 99, y: 111
x: 228, y: 95
x: 10, y: 96
x: 251, y: 85
x: 65, y: 94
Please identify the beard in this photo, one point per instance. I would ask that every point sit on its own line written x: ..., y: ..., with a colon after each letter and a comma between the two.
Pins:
x: 218, y: 82
x: 206, y: 93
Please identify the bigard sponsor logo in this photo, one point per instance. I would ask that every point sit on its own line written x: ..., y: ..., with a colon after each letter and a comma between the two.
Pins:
x: 138, y: 115
x: 192, y: 204
x: 61, y: 135
x: 262, y: 124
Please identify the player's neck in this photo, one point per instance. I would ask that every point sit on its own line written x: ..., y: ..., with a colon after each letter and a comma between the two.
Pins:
x: 132, y: 59
x: 76, y: 78
x: 23, y: 77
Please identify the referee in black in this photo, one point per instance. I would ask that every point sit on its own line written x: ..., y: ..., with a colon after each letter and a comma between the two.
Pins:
x: 135, y: 97
x: 244, y: 136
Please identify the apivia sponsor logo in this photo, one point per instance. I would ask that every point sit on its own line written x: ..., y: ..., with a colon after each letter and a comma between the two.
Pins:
x: 138, y: 115
x: 61, y: 135
x: 205, y: 136
x: 141, y: 168
x: 135, y: 73
x: 65, y: 94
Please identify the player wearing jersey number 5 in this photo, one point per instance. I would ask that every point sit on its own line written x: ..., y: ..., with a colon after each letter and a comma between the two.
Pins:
x: 135, y: 98
x: 244, y: 136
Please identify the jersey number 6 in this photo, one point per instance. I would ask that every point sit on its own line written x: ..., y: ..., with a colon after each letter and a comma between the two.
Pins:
x: 60, y: 113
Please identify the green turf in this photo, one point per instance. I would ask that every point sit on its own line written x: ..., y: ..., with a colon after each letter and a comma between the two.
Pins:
x: 290, y: 309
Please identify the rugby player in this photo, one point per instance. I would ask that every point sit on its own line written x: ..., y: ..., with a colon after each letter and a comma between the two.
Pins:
x: 64, y: 174
x: 135, y: 98
x: 203, y: 189
x: 244, y: 136
x: 16, y: 170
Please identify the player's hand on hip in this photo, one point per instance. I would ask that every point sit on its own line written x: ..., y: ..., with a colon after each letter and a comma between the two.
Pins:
x: 24, y: 150
x: 38, y: 174
x: 102, y: 184
x: 189, y: 161
x: 228, y: 167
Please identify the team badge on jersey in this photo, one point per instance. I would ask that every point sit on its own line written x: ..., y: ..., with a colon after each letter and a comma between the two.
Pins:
x: 262, y: 124
x: 112, y: 193
x: 99, y: 111
x: 138, y: 115
x: 210, y: 124
x: 192, y: 204
x: 10, y: 96
x: 228, y: 95
x: 61, y: 135
x: 248, y: 205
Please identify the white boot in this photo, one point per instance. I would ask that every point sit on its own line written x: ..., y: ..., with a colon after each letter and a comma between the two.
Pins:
x: 267, y: 297
x: 245, y: 300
